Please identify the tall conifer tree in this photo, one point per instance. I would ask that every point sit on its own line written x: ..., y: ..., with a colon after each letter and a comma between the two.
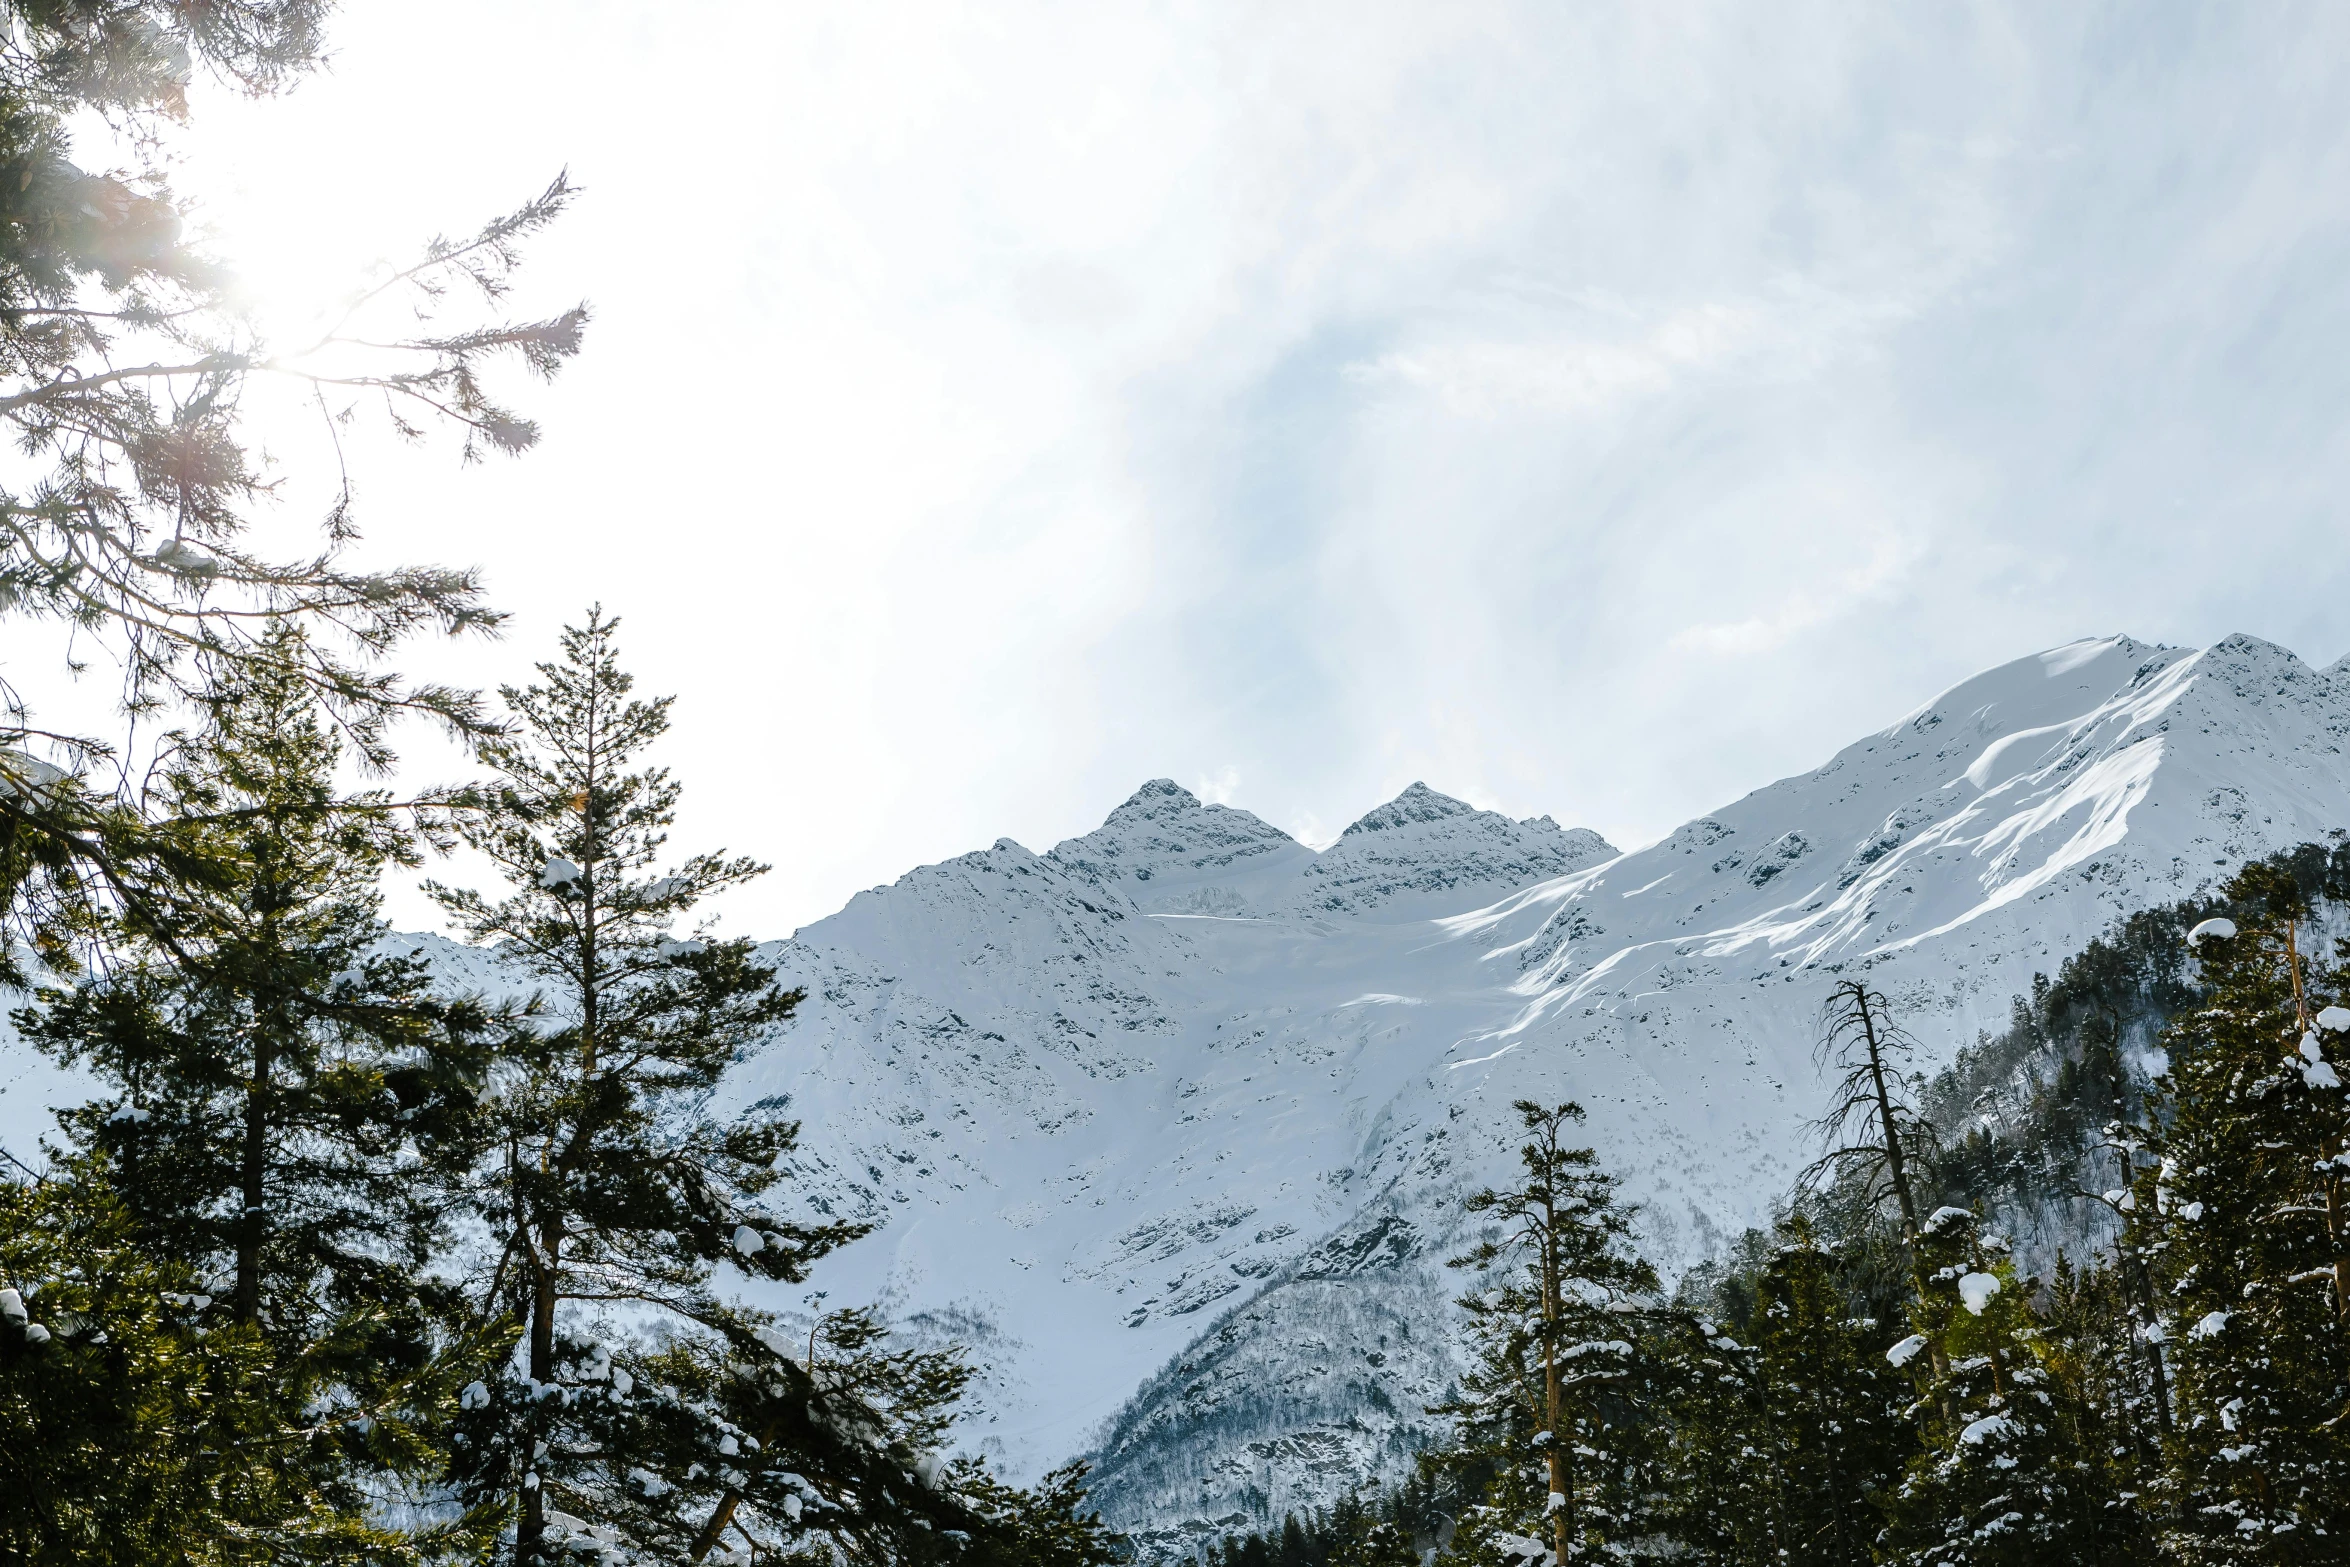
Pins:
x: 286, y: 1100
x: 1547, y: 1408
x: 615, y: 1200
x: 2244, y: 1218
x: 1999, y: 1479
x: 1787, y: 1421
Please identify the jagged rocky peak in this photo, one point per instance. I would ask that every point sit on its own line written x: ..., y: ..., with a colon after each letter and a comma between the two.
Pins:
x: 1418, y: 803
x: 1163, y: 848
x: 1156, y: 800
x: 2259, y: 670
x: 1423, y: 843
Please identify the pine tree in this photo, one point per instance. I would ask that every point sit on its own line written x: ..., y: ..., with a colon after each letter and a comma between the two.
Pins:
x: 2000, y: 1479
x: 2243, y: 1218
x: 1368, y: 1527
x: 1045, y: 1525
x: 2135, y: 1361
x: 1788, y: 1417
x: 2090, y: 1345
x: 1723, y: 1491
x: 1834, y: 1402
x: 1364, y: 1532
x: 132, y: 1435
x: 1548, y: 1405
x: 280, y: 1091
x: 125, y: 359
x: 693, y: 1421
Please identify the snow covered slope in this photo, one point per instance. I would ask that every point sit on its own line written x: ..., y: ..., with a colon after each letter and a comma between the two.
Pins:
x: 1177, y: 1116
x: 1098, y: 1091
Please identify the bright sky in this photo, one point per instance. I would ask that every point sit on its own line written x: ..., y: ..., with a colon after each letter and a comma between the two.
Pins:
x: 1593, y: 410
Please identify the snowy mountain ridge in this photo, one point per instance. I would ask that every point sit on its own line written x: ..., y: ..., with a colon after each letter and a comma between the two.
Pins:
x: 1177, y: 1115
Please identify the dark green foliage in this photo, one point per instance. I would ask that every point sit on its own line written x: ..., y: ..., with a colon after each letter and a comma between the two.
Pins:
x: 1046, y: 1525
x: 609, y: 1188
x: 2002, y: 1477
x: 137, y: 1435
x: 696, y: 1444
x: 1553, y: 1408
x: 286, y: 1103
x: 1394, y: 1526
x: 2110, y: 1389
x: 281, y: 1081
x: 2243, y: 1221
x: 1785, y: 1421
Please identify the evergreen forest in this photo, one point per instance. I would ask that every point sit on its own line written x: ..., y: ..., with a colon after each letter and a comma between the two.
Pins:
x: 2078, y: 1297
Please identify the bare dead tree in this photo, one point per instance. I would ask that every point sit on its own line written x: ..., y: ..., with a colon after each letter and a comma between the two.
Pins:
x: 1872, y: 1129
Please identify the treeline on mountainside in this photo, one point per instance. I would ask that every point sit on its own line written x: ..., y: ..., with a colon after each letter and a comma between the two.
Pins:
x: 342, y: 1262
x: 2083, y: 1297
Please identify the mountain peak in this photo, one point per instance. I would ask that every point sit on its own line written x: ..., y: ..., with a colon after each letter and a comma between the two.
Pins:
x: 1160, y: 797
x: 1418, y: 803
x: 1163, y: 845
x: 2260, y: 647
x: 1423, y: 846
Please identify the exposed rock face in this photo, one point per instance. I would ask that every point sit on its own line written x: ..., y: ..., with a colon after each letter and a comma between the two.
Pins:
x: 1430, y: 851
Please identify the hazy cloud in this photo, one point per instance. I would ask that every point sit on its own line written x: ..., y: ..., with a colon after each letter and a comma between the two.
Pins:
x: 1593, y: 410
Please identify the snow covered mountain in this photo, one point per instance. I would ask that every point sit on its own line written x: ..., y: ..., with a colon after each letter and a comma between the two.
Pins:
x: 1171, y: 1123
x: 1173, y: 1120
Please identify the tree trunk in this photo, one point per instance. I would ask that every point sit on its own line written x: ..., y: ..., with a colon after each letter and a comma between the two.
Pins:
x: 2335, y: 1225
x: 1560, y: 1502
x: 252, y: 1222
x: 2154, y: 1348
x: 590, y: 956
x: 530, y: 1534
x: 2293, y: 962
x: 720, y: 1517
x: 723, y: 1513
x: 1896, y: 1165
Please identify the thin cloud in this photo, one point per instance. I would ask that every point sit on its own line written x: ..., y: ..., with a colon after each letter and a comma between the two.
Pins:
x: 1597, y: 411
